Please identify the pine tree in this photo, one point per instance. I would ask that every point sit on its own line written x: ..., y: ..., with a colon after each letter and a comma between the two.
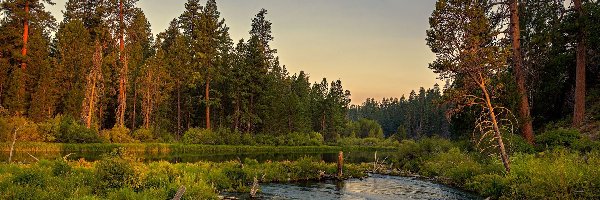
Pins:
x: 74, y: 52
x: 517, y: 59
x: 22, y: 18
x: 462, y: 36
x: 580, y: 83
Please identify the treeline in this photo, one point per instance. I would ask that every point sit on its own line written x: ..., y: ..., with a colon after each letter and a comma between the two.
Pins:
x: 102, y: 67
x: 520, y: 64
x: 422, y: 114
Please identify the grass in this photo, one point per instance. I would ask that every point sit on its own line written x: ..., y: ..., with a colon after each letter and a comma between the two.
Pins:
x: 118, y: 176
x: 178, y: 148
x: 557, y: 173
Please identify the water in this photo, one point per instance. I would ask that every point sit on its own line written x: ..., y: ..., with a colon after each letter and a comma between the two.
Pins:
x: 375, y: 187
x: 349, y: 157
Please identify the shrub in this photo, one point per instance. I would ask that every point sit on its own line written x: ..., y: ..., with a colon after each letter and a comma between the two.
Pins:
x: 143, y: 135
x: 558, y: 138
x: 201, y: 136
x: 297, y: 139
x: 455, y: 165
x: 71, y: 131
x: 489, y: 185
x: 247, y: 139
x: 586, y: 145
x: 114, y: 172
x: 27, y: 130
x: 268, y: 140
x: 30, y: 177
x: 316, y: 139
x: 365, y: 128
x: 60, y: 167
x: 516, y: 144
x: 117, y: 135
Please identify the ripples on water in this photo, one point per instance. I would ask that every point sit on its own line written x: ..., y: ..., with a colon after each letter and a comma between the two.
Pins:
x: 375, y: 187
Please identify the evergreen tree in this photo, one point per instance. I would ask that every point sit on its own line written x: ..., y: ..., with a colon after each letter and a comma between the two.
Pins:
x: 463, y: 37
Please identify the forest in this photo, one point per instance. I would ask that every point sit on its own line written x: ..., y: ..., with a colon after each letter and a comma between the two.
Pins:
x: 517, y: 118
x: 101, y: 67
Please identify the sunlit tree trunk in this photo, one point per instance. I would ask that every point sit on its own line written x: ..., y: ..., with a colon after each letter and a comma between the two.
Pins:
x: 122, y: 99
x: 579, y: 107
x: 93, y: 82
x: 524, y: 111
x: 25, y: 36
x: 497, y: 134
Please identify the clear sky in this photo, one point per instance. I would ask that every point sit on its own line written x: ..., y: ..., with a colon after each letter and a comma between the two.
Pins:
x: 376, y: 47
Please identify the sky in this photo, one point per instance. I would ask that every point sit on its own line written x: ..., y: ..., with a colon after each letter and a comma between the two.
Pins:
x: 375, y: 47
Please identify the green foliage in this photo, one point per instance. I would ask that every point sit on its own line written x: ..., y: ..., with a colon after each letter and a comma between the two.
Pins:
x: 517, y: 144
x: 144, y: 135
x: 114, y: 177
x: 365, y: 128
x: 454, y: 165
x: 367, y: 142
x: 558, y: 138
x: 200, y: 136
x: 26, y: 130
x: 61, y: 167
x: 114, y: 172
x: 412, y: 154
x: 71, y: 131
x: 117, y: 135
x: 420, y: 114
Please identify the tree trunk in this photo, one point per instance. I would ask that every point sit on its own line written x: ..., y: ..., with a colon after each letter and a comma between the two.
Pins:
x: 323, y: 123
x: 178, y: 108
x: 497, y: 133
x: 122, y: 96
x: 236, y: 116
x: 133, y: 117
x: 579, y: 108
x: 524, y: 111
x: 148, y: 108
x: 206, y: 99
x: 123, y: 77
x: 25, y: 36
x: 91, y: 103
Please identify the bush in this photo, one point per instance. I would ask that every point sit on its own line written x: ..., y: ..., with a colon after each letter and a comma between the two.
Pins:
x: 144, y: 135
x: 71, y: 131
x: 316, y: 139
x: 365, y: 128
x: 61, y: 167
x: 558, y: 138
x: 454, y: 165
x: 489, y: 185
x: 516, y: 144
x: 114, y: 172
x: 368, y: 142
x: 117, y: 135
x: 201, y: 136
x: 27, y: 130
x: 586, y: 145
x: 267, y: 140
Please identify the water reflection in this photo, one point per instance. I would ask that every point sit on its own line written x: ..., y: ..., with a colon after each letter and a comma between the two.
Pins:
x: 350, y: 156
x: 375, y: 187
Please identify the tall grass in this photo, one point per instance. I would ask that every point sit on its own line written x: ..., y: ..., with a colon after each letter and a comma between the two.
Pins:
x: 118, y: 177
